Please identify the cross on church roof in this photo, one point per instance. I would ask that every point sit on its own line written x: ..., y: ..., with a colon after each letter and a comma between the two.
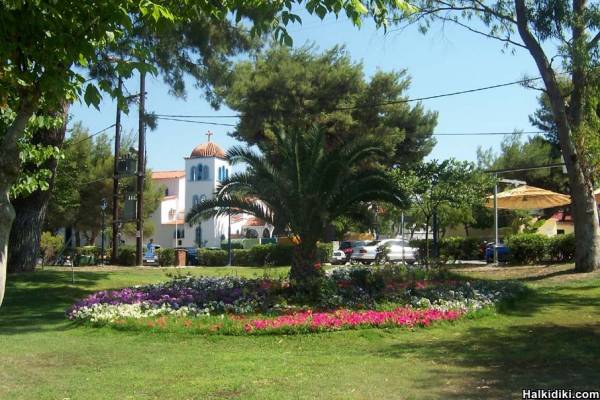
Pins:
x: 209, y: 134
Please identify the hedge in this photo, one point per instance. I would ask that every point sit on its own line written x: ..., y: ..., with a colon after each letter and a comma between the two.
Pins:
x: 166, y: 257
x: 126, y: 256
x: 562, y: 247
x: 264, y: 254
x: 451, y: 248
x: 530, y: 248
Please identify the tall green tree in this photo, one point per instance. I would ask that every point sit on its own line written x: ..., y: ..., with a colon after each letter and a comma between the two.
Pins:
x: 434, y: 186
x: 285, y: 88
x: 83, y: 179
x: 548, y: 30
x: 39, y: 59
x: 309, y: 187
x: 516, y: 152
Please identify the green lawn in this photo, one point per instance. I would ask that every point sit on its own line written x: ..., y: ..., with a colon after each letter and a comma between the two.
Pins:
x: 550, y: 340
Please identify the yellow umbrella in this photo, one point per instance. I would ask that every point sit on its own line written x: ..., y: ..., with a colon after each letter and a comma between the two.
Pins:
x: 528, y: 198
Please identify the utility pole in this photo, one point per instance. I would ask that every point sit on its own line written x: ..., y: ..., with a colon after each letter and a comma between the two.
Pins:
x: 103, y: 207
x: 115, y: 210
x: 229, y: 253
x: 141, y: 172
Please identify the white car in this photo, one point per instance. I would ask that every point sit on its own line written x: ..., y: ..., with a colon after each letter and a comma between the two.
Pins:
x: 338, y: 257
x: 387, y: 250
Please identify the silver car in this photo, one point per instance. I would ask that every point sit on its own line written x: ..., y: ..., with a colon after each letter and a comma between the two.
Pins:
x: 387, y: 250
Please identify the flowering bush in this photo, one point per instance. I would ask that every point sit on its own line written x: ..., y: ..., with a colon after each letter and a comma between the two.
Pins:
x: 206, y: 295
x: 402, y: 316
x: 378, y: 297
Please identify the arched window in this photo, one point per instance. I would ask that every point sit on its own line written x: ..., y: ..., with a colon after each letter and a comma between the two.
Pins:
x: 193, y: 174
x: 220, y: 173
x: 195, y: 200
x: 205, y: 173
x: 202, y: 197
x: 198, y: 238
x: 226, y: 173
x: 266, y: 233
x: 166, y: 191
x: 199, y: 176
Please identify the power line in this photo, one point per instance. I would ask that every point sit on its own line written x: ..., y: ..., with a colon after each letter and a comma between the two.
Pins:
x: 196, y: 116
x: 490, y: 133
x: 194, y: 122
x: 386, y: 103
x: 90, y: 136
x: 437, y: 96
x: 434, y: 134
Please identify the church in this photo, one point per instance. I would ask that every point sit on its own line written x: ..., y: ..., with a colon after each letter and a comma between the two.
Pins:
x: 204, y: 169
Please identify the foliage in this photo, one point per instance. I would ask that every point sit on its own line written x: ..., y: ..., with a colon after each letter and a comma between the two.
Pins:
x: 295, y: 89
x: 443, y: 186
x: 126, y: 256
x: 451, y: 248
x: 83, y: 179
x: 266, y: 254
x: 572, y: 31
x: 166, y: 257
x: 303, y: 193
x: 50, y: 244
x: 516, y: 152
x: 562, y: 247
x: 528, y: 248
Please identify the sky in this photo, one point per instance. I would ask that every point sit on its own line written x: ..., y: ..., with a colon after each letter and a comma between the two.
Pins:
x: 446, y: 59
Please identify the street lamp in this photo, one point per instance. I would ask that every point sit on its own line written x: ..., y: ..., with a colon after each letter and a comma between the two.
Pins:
x: 103, y: 206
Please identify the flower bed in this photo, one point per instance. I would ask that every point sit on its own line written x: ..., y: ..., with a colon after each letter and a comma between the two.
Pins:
x: 340, y: 319
x: 351, y: 297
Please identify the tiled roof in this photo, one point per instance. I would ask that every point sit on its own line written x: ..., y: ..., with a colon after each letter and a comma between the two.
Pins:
x: 167, y: 174
x: 209, y: 149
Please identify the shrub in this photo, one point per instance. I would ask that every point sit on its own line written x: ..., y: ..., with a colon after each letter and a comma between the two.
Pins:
x: 325, y: 252
x: 211, y: 257
x: 528, y: 248
x: 562, y: 247
x: 280, y: 254
x: 126, y: 256
x: 460, y: 248
x: 262, y: 254
x: 166, y: 257
x: 50, y: 245
x: 234, y: 245
x: 241, y: 257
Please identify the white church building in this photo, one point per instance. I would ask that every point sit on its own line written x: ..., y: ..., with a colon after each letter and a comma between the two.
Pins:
x: 205, y: 168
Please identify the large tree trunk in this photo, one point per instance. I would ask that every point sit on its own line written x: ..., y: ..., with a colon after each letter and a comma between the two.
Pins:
x: 584, y: 208
x: 306, y: 272
x: 9, y: 172
x: 24, y: 243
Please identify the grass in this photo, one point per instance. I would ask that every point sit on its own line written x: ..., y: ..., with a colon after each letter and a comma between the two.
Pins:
x: 549, y: 340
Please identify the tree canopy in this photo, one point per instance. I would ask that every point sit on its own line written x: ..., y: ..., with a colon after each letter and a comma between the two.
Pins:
x: 296, y: 89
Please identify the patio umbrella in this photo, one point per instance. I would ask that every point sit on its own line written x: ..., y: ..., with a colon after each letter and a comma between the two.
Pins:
x: 528, y: 198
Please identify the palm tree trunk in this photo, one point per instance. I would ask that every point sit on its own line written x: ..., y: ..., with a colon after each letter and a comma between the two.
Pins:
x: 306, y: 272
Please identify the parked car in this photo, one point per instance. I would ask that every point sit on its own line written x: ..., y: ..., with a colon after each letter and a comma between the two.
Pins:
x: 344, y: 253
x: 392, y: 250
x: 338, y: 257
x: 503, y: 253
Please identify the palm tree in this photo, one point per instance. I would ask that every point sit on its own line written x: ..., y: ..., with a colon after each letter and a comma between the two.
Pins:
x: 301, y: 191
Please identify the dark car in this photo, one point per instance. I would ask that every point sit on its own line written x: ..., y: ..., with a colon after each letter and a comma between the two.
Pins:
x: 503, y: 253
